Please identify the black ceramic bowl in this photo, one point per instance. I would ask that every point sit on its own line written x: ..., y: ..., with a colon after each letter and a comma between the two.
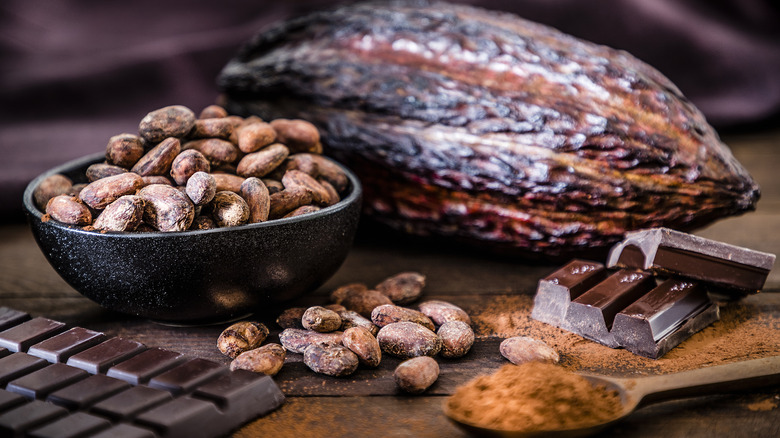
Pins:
x: 196, y: 277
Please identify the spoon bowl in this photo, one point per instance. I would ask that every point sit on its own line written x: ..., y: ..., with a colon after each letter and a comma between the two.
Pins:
x: 639, y: 392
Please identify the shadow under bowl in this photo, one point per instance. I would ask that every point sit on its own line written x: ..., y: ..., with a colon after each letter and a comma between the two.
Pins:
x: 197, y: 277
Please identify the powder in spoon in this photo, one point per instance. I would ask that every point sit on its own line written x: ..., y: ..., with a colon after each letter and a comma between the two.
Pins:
x: 531, y: 397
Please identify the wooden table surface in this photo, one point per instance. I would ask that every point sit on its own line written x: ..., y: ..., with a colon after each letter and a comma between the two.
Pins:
x: 367, y: 403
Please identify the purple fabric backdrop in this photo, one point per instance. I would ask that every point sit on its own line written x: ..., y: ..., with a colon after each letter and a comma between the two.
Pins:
x: 75, y: 72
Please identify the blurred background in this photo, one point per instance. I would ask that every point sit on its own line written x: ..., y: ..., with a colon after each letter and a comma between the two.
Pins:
x: 75, y: 72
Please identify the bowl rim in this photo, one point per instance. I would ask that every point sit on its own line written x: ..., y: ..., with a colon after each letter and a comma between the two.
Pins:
x: 354, y: 196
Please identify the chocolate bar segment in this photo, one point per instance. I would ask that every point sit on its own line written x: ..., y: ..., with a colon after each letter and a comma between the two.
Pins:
x: 185, y: 377
x: 139, y: 369
x: 20, y: 337
x: 87, y: 392
x: 11, y: 317
x: 60, y: 347
x: 728, y: 269
x: 27, y: 416
x: 41, y: 383
x: 18, y: 364
x: 242, y: 395
x: 127, y: 404
x: 591, y: 314
x: 183, y: 417
x: 125, y: 431
x: 101, y: 357
x: 76, y: 425
x: 556, y: 291
x: 664, y: 317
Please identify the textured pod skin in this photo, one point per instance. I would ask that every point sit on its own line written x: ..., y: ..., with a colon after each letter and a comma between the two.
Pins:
x: 486, y: 127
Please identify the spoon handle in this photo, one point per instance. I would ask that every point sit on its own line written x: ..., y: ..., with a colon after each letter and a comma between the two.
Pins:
x: 734, y: 377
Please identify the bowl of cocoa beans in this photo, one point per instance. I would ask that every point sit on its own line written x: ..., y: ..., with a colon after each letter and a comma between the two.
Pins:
x: 197, y: 218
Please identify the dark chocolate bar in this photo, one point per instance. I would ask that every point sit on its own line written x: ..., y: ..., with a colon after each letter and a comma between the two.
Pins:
x: 591, y: 314
x: 727, y: 269
x: 664, y: 317
x: 78, y: 383
x: 558, y: 289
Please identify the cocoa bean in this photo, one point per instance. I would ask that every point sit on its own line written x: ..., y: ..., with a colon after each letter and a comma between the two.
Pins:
x: 124, y: 150
x: 228, y: 209
x: 330, y: 359
x: 228, y: 182
x: 303, y: 162
x: 320, y: 319
x: 359, y: 298
x: 294, y: 179
x: 298, y: 135
x: 68, y: 210
x: 333, y: 195
x: 255, y: 136
x: 262, y: 162
x: 287, y: 200
x: 124, y: 214
x: 305, y: 209
x: 156, y: 179
x: 296, y: 340
x: 417, y: 374
x: 390, y: 313
x: 408, y: 339
x: 267, y: 360
x: 213, y: 112
x: 159, y: 159
x: 166, y: 208
x: 522, y: 349
x: 256, y: 195
x: 217, y: 151
x: 170, y: 121
x: 212, y: 128
x: 291, y: 318
x: 456, y: 338
x: 202, y: 222
x: 364, y: 345
x: 201, y: 188
x: 335, y: 307
x: 331, y: 172
x: 442, y: 311
x: 104, y: 191
x: 101, y: 170
x: 273, y: 185
x: 403, y: 288
x: 350, y: 318
x: 75, y: 190
x: 240, y: 337
x: 186, y: 164
x: 50, y: 187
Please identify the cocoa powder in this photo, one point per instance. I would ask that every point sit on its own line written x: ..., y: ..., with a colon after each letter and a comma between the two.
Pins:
x: 747, y: 330
x: 533, y: 397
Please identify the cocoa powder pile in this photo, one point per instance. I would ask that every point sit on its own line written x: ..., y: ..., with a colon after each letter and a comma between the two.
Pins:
x: 532, y: 397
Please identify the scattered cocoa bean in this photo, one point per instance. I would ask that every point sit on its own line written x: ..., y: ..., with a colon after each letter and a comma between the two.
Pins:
x: 219, y: 127
x: 262, y: 162
x: 291, y: 318
x: 302, y: 210
x: 228, y: 182
x: 342, y: 292
x: 256, y: 195
x: 186, y: 164
x: 68, y: 210
x: 296, y: 340
x: 213, y: 112
x: 166, y: 208
x: 350, y: 318
x: 298, y: 135
x: 159, y: 159
x: 50, y: 187
x: 356, y: 297
x: 156, y: 179
x: 170, y: 121
x: 267, y: 360
x: 443, y: 311
x: 522, y: 349
x: 240, y: 337
x: 408, y: 339
x: 330, y: 359
x: 124, y: 214
x: 390, y: 313
x: 104, y: 191
x: 417, y: 374
x: 228, y: 209
x: 364, y: 345
x: 215, y: 150
x: 101, y: 170
x: 255, y: 136
x: 320, y: 319
x: 124, y: 150
x: 201, y: 188
x: 456, y: 338
x: 403, y: 288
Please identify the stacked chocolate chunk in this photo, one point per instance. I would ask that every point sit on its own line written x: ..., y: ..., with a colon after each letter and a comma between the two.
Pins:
x: 653, y: 293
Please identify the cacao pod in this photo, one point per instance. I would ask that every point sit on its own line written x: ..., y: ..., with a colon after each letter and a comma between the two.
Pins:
x: 484, y: 126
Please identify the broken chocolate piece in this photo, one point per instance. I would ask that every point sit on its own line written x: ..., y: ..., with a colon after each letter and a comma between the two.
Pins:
x: 728, y: 269
x: 664, y: 317
x: 591, y: 314
x: 557, y: 290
